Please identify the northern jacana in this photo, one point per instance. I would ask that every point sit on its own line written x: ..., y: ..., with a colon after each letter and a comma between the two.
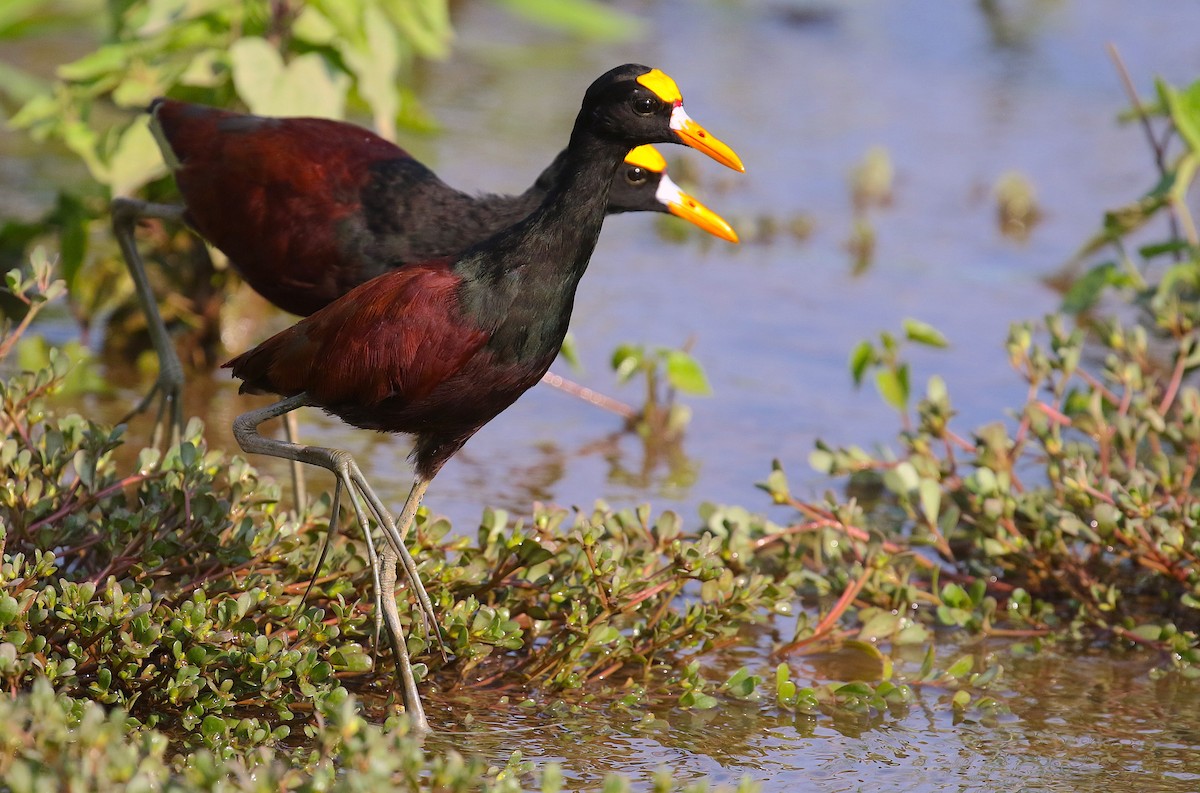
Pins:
x: 306, y: 209
x: 440, y: 348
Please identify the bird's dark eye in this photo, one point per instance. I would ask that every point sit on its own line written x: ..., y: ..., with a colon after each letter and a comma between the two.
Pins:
x: 646, y: 106
x: 636, y: 176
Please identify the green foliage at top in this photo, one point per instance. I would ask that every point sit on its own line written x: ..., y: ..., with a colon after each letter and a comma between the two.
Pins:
x: 277, y: 58
x: 581, y: 17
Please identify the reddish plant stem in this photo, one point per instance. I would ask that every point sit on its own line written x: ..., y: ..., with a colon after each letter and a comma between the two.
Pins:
x: 1133, y: 637
x: 645, y: 594
x: 827, y: 622
x: 1097, y: 386
x: 1054, y: 414
x: 67, y: 509
x: 1173, y: 387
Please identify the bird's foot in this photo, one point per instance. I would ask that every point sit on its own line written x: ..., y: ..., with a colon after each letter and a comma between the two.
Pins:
x: 384, y: 570
x: 356, y: 483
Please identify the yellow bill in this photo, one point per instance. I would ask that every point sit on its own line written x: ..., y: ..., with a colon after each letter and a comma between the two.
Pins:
x: 682, y: 205
x: 696, y: 136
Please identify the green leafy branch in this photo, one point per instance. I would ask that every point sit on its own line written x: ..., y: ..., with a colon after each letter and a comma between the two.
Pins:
x: 667, y: 372
x: 891, y: 371
x: 1171, y: 123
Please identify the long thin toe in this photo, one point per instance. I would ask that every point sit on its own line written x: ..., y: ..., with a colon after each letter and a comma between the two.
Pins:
x: 412, y: 697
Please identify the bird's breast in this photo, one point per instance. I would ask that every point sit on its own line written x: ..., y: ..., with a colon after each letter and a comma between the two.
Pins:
x: 463, y: 402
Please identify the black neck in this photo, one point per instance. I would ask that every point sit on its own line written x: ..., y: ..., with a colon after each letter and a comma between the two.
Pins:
x: 522, y: 287
x: 557, y: 238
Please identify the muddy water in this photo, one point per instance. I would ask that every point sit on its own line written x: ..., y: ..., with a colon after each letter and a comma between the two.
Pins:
x: 957, y: 94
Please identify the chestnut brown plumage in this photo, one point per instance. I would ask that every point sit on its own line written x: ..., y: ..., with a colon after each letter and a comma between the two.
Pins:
x: 440, y: 348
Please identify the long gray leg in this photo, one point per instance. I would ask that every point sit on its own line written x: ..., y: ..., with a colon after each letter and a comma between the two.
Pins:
x: 410, y: 566
x: 169, y: 385
x: 334, y: 517
x: 387, y: 578
x: 387, y: 557
x: 342, y: 465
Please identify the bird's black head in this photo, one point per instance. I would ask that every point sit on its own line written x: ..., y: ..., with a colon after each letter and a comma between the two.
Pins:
x: 642, y: 185
x: 634, y: 104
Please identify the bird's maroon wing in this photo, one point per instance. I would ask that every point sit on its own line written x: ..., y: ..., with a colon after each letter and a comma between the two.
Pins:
x: 396, y: 336
x: 271, y: 192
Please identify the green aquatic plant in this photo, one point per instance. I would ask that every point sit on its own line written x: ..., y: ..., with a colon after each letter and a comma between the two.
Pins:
x: 1072, y: 519
x: 667, y: 372
x: 1078, y: 521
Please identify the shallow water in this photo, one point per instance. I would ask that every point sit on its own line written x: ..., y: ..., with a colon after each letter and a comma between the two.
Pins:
x: 801, y: 90
x: 1078, y: 723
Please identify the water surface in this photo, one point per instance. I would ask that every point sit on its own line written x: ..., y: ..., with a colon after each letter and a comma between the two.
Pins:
x: 1077, y: 723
